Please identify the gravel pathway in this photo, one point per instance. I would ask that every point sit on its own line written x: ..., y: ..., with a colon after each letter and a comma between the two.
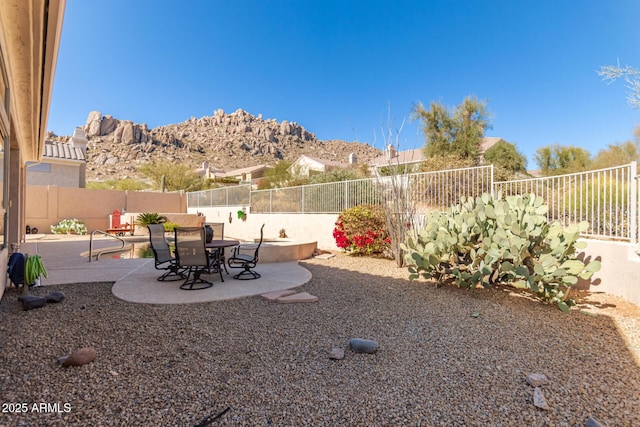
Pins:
x: 447, y: 357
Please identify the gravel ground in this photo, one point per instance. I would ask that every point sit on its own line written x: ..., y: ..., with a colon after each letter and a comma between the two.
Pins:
x: 437, y: 364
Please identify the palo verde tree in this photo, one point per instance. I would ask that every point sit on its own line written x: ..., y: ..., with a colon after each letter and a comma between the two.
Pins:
x: 173, y: 176
x: 617, y: 154
x: 561, y: 159
x: 277, y: 176
x: 506, y: 159
x: 458, y: 132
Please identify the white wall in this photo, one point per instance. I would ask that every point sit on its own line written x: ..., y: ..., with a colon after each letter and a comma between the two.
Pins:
x: 302, y: 227
x: 620, y: 272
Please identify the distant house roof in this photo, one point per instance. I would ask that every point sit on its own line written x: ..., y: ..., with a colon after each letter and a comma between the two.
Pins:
x: 417, y: 155
x: 62, y: 151
x: 488, y: 142
x: 399, y: 158
x: 324, y: 161
x: 243, y: 171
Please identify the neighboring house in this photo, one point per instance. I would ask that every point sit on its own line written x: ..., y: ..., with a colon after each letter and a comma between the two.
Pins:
x: 391, y: 157
x: 414, y: 157
x: 208, y: 172
x: 63, y: 163
x: 307, y: 165
x: 245, y: 175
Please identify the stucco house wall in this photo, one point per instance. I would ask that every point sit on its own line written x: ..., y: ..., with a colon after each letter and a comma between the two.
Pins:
x: 62, y: 175
x: 48, y: 205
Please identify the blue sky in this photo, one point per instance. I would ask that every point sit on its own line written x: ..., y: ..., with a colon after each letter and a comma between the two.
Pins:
x: 338, y: 67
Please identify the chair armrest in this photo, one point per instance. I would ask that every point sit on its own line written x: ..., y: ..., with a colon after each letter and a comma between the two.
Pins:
x: 244, y: 247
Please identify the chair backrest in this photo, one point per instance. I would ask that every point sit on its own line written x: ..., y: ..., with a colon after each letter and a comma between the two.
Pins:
x: 190, y: 247
x: 259, y: 243
x: 218, y: 229
x: 159, y: 245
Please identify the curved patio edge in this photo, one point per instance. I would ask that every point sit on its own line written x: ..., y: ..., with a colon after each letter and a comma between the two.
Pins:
x: 141, y: 286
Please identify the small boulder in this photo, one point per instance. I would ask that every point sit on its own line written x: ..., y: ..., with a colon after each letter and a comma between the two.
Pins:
x: 536, y: 380
x: 31, y: 301
x: 336, y: 353
x: 539, y: 400
x: 360, y: 345
x: 79, y: 357
x: 592, y: 422
x: 56, y: 296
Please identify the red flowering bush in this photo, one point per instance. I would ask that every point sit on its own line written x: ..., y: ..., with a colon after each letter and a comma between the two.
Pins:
x: 362, y: 231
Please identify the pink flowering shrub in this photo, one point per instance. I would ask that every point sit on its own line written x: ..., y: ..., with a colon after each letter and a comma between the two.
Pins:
x: 361, y: 230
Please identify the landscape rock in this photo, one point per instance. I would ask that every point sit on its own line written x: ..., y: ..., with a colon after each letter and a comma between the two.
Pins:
x: 592, y: 422
x: 55, y: 296
x: 360, y: 345
x: 30, y: 302
x: 336, y: 353
x: 274, y: 295
x: 536, y: 380
x: 79, y: 357
x: 297, y: 298
x: 539, y: 400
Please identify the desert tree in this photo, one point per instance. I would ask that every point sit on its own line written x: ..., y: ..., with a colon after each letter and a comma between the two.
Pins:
x: 395, y: 195
x: 619, y: 154
x: 171, y: 176
x: 506, y: 160
x: 631, y: 76
x: 561, y: 159
x: 458, y: 132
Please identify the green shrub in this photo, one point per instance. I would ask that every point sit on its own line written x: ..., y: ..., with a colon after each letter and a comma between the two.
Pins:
x: 69, y: 226
x: 487, y: 240
x: 361, y: 230
x: 147, y: 218
x: 169, y: 226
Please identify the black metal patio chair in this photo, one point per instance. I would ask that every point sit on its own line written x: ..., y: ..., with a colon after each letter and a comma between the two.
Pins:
x: 247, y: 260
x: 164, y: 259
x: 192, y: 255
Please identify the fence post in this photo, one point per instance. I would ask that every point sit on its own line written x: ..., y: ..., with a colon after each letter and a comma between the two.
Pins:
x: 493, y: 188
x: 633, y: 214
x: 302, y: 201
x: 346, y: 196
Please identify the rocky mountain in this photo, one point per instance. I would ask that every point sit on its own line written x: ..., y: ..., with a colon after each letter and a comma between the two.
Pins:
x: 116, y: 148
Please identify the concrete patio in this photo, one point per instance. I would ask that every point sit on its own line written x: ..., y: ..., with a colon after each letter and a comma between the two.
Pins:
x: 135, y: 279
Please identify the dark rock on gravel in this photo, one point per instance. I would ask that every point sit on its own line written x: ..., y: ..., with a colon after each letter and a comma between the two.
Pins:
x: 360, y: 345
x: 30, y: 302
x: 56, y: 296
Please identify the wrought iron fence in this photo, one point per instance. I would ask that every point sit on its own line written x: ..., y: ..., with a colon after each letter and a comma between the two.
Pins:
x: 607, y: 198
x: 225, y: 196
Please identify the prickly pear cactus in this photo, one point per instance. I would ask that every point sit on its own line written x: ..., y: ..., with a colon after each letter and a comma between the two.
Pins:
x: 493, y: 240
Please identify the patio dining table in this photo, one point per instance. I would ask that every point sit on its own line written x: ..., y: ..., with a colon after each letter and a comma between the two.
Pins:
x: 216, y: 248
